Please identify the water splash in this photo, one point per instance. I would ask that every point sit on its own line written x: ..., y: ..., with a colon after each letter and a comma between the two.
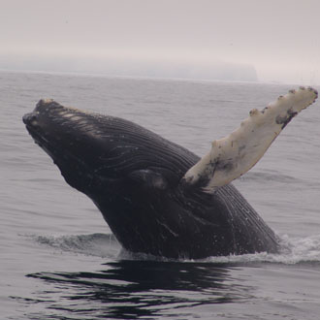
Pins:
x: 294, y: 250
x: 97, y: 244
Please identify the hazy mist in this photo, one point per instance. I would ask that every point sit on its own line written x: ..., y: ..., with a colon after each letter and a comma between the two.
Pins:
x: 266, y: 40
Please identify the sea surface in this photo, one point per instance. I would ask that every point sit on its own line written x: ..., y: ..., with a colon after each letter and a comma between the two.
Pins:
x: 58, y: 258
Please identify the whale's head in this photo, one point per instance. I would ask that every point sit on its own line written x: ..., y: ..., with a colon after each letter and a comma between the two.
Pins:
x: 129, y: 172
x: 98, y: 153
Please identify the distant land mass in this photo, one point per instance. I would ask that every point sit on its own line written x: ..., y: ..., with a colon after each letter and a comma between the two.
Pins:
x: 218, y: 70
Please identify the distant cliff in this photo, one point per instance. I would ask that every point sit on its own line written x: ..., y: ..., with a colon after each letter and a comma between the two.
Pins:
x: 221, y: 71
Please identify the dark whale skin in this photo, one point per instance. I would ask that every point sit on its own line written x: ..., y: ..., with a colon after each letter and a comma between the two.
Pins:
x: 134, y: 177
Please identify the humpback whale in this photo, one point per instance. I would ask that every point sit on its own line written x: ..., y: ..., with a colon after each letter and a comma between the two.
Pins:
x: 157, y: 197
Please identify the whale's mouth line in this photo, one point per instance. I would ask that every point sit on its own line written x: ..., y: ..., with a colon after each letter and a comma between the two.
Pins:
x: 40, y: 140
x: 50, y: 147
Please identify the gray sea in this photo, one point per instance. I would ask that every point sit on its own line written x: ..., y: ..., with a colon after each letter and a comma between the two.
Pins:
x: 58, y: 258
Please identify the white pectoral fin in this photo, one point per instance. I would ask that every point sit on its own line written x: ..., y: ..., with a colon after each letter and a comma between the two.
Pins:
x: 235, y: 154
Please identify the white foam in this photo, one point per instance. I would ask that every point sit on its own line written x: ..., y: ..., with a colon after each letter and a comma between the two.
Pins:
x: 295, y: 250
x: 100, y: 245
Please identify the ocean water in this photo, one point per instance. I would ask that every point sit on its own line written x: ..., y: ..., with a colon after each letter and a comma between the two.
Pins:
x: 58, y: 258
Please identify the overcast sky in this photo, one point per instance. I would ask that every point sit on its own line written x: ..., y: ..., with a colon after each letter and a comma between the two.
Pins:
x: 281, y: 38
